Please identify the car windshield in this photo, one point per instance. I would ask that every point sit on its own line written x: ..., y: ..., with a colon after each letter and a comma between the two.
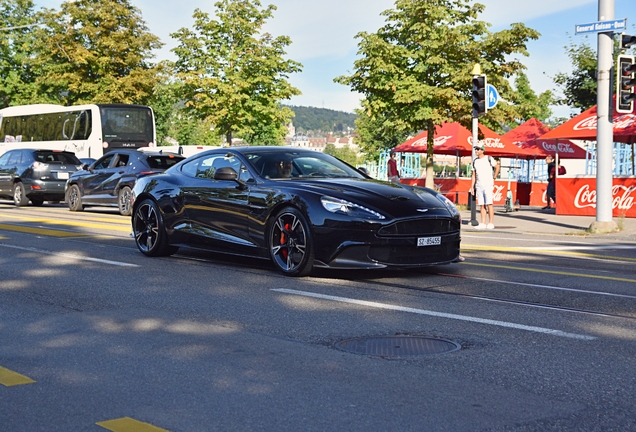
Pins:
x: 56, y: 157
x: 292, y: 164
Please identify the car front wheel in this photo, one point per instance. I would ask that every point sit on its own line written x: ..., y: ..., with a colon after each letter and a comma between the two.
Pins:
x: 74, y: 199
x: 149, y: 231
x: 125, y: 199
x: 19, y: 195
x: 290, y: 243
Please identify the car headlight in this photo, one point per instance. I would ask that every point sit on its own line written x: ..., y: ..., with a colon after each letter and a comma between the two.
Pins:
x: 448, y: 204
x: 338, y: 206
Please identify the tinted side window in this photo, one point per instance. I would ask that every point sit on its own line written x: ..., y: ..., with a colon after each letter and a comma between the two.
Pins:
x: 4, y: 159
x: 205, y: 167
x: 163, y: 161
x: 103, y: 162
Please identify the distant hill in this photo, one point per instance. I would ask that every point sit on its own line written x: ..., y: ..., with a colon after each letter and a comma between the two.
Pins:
x: 322, y: 119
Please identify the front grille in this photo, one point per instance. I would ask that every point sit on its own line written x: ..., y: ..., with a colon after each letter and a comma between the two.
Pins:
x: 421, y: 227
x: 411, y: 255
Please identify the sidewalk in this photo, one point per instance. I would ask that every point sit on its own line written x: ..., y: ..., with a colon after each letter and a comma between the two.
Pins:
x: 534, y: 220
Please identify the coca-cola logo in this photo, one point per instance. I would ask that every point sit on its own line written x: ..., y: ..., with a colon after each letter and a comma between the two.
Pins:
x: 440, y: 140
x: 497, y: 193
x: 622, y: 198
x: 621, y: 122
x: 493, y: 143
x: 552, y: 147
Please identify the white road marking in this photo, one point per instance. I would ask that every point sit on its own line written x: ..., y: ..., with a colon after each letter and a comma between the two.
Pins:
x: 439, y: 314
x: 540, y: 286
x: 77, y: 257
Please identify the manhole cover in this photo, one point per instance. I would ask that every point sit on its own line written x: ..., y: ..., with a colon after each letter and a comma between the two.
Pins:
x: 398, y: 346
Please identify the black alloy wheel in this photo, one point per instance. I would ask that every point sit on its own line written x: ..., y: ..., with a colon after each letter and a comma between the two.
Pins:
x: 125, y: 201
x: 19, y: 195
x: 74, y: 199
x: 290, y: 243
x: 149, y: 231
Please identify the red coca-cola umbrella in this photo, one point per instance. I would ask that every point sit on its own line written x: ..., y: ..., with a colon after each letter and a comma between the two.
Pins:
x: 455, y: 139
x: 583, y: 127
x: 528, y: 136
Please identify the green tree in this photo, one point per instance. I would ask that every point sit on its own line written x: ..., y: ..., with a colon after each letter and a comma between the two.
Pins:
x: 415, y: 71
x: 16, y: 48
x: 376, y: 133
x: 345, y: 153
x: 95, y: 51
x: 579, y: 87
x: 234, y: 76
x: 529, y: 105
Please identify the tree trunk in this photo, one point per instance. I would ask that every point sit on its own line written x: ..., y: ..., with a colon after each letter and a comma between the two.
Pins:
x: 430, y: 173
x: 228, y: 138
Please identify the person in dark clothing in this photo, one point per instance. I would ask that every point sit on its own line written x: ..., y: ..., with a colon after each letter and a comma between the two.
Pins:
x: 550, y: 193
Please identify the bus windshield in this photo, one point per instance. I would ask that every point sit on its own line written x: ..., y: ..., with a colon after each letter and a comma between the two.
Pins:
x: 127, y: 126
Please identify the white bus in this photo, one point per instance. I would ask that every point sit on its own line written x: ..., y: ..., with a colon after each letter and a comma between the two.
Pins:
x: 89, y: 131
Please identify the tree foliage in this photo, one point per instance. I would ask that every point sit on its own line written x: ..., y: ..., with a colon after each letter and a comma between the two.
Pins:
x: 95, y: 51
x: 579, y: 87
x: 16, y: 49
x: 345, y: 153
x: 528, y: 104
x: 415, y: 71
x: 373, y: 134
x: 234, y: 76
x: 322, y: 120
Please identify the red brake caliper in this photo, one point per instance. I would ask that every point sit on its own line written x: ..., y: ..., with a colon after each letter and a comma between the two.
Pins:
x: 283, y: 240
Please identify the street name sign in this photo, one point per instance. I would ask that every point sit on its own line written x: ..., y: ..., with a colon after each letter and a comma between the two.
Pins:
x: 602, y: 26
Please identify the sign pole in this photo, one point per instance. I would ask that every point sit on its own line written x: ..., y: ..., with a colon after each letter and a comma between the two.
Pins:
x: 604, y: 131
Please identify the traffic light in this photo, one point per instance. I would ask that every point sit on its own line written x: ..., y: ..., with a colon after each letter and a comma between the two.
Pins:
x: 626, y: 41
x: 625, y: 83
x: 479, y: 95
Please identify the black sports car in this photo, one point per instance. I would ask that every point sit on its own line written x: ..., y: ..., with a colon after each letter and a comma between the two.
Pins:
x: 299, y: 208
x: 109, y: 180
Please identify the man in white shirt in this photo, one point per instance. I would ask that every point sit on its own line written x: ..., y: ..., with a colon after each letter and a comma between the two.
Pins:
x: 485, y: 171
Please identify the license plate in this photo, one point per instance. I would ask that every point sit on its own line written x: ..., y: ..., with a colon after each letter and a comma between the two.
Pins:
x: 62, y: 175
x: 429, y: 241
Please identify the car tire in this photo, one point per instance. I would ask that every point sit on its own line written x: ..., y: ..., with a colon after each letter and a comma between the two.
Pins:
x: 37, y: 201
x: 291, y: 245
x: 74, y: 199
x: 124, y: 201
x: 149, y: 231
x: 19, y: 195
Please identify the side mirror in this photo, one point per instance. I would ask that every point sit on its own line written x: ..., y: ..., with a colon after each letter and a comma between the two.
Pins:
x: 225, y: 173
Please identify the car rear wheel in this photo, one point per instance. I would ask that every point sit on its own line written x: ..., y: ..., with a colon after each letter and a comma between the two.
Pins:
x: 19, y: 195
x: 125, y: 196
x: 150, y: 232
x: 74, y: 199
x: 290, y: 243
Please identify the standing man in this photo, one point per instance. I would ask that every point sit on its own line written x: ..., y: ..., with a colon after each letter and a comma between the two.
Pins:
x: 485, y: 171
x: 550, y: 193
x: 391, y: 169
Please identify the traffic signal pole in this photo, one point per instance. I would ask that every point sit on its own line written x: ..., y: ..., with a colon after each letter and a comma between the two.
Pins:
x: 604, y: 131
x: 480, y: 106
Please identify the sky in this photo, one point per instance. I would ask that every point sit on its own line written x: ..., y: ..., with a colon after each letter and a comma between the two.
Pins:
x: 323, y: 36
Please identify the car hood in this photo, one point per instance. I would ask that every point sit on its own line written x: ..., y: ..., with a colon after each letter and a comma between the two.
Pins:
x: 395, y: 199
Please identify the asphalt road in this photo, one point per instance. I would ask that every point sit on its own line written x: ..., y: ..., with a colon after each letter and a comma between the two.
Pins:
x: 95, y: 336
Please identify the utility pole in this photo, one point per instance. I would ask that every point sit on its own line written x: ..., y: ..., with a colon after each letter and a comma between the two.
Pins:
x: 605, y: 130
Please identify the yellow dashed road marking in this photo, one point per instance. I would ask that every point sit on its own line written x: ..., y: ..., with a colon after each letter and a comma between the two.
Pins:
x: 468, y: 248
x: 125, y: 227
x: 40, y: 231
x: 9, y: 378
x: 127, y: 424
x: 555, y: 272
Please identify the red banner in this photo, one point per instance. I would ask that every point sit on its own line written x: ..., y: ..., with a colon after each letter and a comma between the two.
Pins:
x: 577, y: 196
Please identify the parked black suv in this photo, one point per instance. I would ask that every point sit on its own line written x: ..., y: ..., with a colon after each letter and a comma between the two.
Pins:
x: 109, y: 180
x: 36, y: 175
